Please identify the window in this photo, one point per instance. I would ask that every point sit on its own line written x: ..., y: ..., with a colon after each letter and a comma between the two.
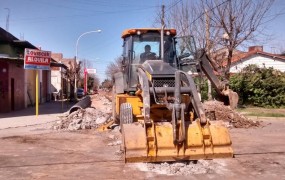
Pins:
x: 139, y: 48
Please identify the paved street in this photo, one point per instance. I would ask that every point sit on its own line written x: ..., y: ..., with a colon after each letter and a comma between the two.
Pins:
x: 31, y: 150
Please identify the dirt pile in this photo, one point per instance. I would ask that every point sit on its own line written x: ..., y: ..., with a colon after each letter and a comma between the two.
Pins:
x: 89, y: 118
x: 217, y: 110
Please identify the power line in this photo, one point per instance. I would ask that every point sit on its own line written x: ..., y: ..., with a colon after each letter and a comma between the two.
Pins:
x: 202, y: 14
x: 88, y: 7
x: 174, y: 4
x: 95, y: 13
x: 274, y: 16
x: 105, y: 3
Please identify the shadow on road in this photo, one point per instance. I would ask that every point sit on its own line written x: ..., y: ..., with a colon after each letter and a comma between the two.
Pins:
x: 53, y: 107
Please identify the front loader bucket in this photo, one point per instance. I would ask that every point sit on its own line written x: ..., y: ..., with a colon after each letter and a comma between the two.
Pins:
x: 155, y: 143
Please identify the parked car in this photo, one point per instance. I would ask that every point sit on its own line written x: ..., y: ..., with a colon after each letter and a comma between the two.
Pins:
x: 80, y: 93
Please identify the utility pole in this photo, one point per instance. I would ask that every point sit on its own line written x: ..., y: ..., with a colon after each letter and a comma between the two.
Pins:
x: 7, y: 19
x: 162, y: 32
x: 208, y: 48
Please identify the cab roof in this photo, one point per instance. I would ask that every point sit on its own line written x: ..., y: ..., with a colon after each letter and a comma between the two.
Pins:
x: 133, y: 31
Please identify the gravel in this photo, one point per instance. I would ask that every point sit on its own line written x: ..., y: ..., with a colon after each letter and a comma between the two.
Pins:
x: 184, y: 168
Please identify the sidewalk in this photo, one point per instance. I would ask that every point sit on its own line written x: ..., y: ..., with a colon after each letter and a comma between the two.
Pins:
x: 48, y: 112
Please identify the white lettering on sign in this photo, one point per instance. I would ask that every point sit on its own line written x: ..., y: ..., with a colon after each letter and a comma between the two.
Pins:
x: 37, y: 59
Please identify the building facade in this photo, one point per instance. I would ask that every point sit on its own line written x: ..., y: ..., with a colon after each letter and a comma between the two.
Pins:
x: 18, y: 85
x: 257, y: 56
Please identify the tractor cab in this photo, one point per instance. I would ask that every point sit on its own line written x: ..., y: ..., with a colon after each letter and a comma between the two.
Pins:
x: 142, y: 45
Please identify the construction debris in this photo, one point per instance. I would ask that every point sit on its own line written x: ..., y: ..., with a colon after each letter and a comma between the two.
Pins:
x: 184, y: 168
x: 216, y: 110
x: 118, y: 142
x: 82, y: 104
x: 89, y: 118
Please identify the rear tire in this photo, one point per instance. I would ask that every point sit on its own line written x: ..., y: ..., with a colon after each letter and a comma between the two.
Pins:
x: 126, y: 113
x: 126, y: 117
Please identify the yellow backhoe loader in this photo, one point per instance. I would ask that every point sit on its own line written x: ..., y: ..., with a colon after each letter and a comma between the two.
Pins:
x: 157, y: 104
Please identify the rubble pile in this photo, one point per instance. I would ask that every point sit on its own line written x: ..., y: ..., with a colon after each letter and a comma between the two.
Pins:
x: 89, y: 118
x: 217, y: 110
x: 105, y: 103
x: 183, y: 168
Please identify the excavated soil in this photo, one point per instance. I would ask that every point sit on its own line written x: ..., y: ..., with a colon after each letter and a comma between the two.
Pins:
x: 100, y: 112
x: 216, y: 110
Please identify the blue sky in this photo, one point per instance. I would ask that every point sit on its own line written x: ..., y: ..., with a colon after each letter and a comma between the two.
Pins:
x: 55, y: 25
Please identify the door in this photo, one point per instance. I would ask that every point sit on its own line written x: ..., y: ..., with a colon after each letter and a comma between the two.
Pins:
x: 4, y: 100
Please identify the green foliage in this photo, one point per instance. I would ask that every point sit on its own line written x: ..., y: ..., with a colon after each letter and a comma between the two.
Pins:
x: 107, y: 84
x: 263, y: 87
x: 90, y: 83
x: 202, y: 84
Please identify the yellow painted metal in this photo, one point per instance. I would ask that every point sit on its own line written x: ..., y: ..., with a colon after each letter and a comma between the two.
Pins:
x: 105, y: 127
x: 149, y: 76
x: 154, y: 143
x: 135, y: 101
x: 135, y: 142
x: 129, y: 32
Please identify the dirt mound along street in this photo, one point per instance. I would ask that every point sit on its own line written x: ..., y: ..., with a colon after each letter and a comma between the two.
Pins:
x: 217, y: 110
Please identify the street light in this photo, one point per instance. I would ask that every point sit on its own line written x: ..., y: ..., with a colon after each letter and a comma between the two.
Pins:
x: 76, y: 53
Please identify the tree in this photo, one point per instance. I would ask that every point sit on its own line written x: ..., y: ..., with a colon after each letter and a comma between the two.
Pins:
x: 262, y: 87
x: 93, y: 82
x: 114, y: 67
x: 231, y: 24
x: 107, y: 84
x: 237, y: 22
x: 72, y: 72
x: 96, y: 81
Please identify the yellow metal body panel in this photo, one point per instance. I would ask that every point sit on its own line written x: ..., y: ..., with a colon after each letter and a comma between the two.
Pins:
x: 154, y: 142
x: 208, y: 142
x: 129, y: 32
x: 135, y: 101
x: 149, y: 76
